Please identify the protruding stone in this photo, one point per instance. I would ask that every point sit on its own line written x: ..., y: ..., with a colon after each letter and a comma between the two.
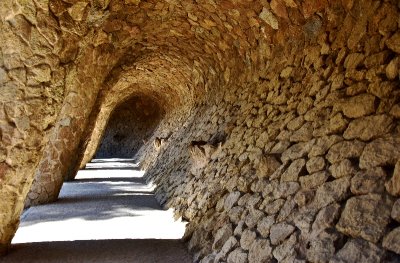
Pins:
x: 286, y: 249
x: 313, y: 180
x: 264, y: 225
x: 359, y: 250
x: 396, y: 211
x: 228, y: 246
x: 293, y: 171
x: 260, y: 251
x: 392, y: 241
x: 323, y: 144
x: 342, y: 168
x: 274, y: 207
x: 380, y: 152
x: 247, y: 238
x: 365, y: 216
x: 394, y: 43
x: 267, y: 166
x: 331, y: 192
x: 222, y: 236
x: 345, y: 149
x: 326, y: 218
x: 286, y: 210
x: 303, y: 197
x: 77, y: 11
x: 353, y: 60
x: 280, y: 232
x: 296, y: 151
x: 237, y: 256
x: 315, y: 164
x: 393, y: 185
x: 231, y: 200
x: 321, y: 248
x: 392, y: 69
x: 269, y: 18
x: 369, y: 127
x: 304, y: 134
x: 368, y: 181
x: 358, y: 106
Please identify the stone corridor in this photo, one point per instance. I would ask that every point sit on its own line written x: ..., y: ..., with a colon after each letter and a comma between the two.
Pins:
x: 272, y: 127
x: 108, y: 214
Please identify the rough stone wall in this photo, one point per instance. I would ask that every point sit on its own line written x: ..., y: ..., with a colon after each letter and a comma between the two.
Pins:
x: 280, y: 138
x: 301, y: 164
x: 129, y: 127
x: 32, y: 90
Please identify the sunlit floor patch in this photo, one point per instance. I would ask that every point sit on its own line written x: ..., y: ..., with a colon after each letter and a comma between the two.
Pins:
x: 101, y: 204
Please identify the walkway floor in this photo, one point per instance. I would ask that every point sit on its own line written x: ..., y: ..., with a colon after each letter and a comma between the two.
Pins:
x: 108, y: 214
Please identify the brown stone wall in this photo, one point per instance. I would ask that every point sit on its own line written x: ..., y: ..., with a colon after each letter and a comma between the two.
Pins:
x: 281, y: 134
x: 300, y: 161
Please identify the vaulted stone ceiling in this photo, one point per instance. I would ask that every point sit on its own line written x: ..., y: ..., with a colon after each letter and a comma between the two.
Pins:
x: 280, y: 126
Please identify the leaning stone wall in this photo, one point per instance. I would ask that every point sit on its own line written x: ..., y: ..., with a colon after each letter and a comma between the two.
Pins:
x: 284, y: 143
x: 301, y: 162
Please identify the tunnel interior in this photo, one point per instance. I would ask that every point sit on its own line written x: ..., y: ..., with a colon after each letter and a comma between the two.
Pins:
x: 130, y: 125
x: 281, y: 133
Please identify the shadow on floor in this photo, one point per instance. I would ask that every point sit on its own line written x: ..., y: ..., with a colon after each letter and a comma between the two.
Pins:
x: 100, y: 251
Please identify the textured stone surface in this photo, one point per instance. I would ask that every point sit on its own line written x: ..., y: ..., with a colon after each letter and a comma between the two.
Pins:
x: 392, y: 241
x: 368, y: 128
x: 293, y: 171
x: 237, y: 256
x: 342, y: 168
x: 393, y: 185
x: 396, y: 210
x: 260, y: 251
x: 276, y: 112
x: 315, y: 164
x: 358, y: 106
x: 345, y: 149
x: 280, y: 232
x: 247, y: 238
x: 365, y: 216
x: 379, y: 152
x: 358, y: 250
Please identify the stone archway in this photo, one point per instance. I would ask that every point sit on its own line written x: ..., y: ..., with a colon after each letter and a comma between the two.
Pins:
x: 305, y: 94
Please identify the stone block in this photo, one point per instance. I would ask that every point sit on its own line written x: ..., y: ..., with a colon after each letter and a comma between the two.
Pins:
x: 393, y: 185
x: 369, y: 127
x: 247, y: 239
x: 359, y: 250
x: 342, y: 168
x: 279, y: 232
x: 368, y: 181
x: 231, y: 200
x: 264, y: 225
x: 293, y: 171
x: 315, y: 164
x: 365, y: 217
x: 396, y: 211
x: 260, y: 251
x: 357, y: 106
x: 380, y: 152
x: 345, y: 149
x: 237, y: 256
x: 313, y: 180
x: 392, y: 241
x: 222, y: 236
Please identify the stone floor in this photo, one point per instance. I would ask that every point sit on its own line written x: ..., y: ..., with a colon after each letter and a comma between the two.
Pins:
x: 108, y: 214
